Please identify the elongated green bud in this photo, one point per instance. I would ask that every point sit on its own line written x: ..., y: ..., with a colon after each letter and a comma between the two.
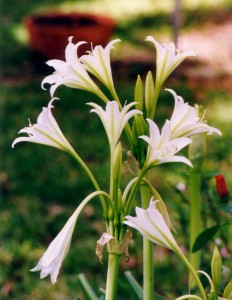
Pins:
x: 117, y: 162
x: 120, y: 207
x: 149, y: 94
x: 139, y: 98
x: 216, y: 268
x: 227, y: 294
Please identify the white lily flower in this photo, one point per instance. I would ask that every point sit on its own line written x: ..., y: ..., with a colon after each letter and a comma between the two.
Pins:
x: 185, y: 120
x: 113, y: 119
x: 97, y: 63
x: 150, y: 223
x: 71, y: 72
x: 162, y: 148
x: 46, y: 131
x: 168, y: 57
x: 51, y: 261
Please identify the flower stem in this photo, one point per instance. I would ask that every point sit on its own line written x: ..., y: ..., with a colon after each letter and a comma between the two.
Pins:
x: 92, y: 178
x: 194, y: 274
x: 134, y: 190
x: 148, y: 269
x: 112, y: 276
x: 101, y: 95
x: 195, y: 216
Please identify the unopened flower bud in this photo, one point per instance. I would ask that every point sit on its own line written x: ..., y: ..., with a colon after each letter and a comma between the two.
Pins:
x: 149, y: 93
x: 139, y: 98
x: 117, y: 162
x: 222, y: 188
x: 216, y: 268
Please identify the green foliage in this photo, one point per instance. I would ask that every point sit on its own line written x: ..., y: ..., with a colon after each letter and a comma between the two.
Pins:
x: 40, y: 186
x: 204, y: 237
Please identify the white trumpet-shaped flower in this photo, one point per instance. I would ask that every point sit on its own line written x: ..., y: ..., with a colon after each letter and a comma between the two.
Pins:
x: 97, y: 62
x: 51, y: 261
x: 113, y: 119
x: 185, y: 120
x: 71, y: 72
x: 168, y: 57
x: 150, y: 223
x: 46, y: 131
x: 162, y: 148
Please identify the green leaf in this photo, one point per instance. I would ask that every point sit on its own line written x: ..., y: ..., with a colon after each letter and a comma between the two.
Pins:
x: 204, y: 237
x: 86, y: 287
x: 137, y: 289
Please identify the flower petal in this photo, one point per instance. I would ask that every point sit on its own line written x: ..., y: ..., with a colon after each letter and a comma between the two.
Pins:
x: 185, y: 120
x: 150, y: 223
x: 97, y: 63
x: 71, y: 72
x: 162, y: 148
x: 168, y: 57
x: 46, y: 131
x: 51, y: 261
x: 113, y: 119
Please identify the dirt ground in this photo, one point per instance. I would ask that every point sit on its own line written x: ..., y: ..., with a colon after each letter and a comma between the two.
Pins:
x: 214, y: 44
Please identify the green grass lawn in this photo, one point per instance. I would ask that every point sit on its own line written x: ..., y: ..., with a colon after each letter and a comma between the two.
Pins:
x: 41, y: 187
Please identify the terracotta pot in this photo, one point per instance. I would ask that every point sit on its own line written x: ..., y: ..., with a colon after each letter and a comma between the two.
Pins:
x: 48, y: 33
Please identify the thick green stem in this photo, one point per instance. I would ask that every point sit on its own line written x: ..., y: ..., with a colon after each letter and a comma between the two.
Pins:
x: 148, y: 269
x: 112, y: 277
x: 195, y: 216
x: 114, y: 196
x: 111, y: 172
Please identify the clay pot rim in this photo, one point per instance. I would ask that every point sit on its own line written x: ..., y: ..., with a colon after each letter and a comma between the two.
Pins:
x: 98, y: 19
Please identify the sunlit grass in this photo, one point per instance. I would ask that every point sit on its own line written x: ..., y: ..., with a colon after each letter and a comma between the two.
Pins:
x: 125, y: 10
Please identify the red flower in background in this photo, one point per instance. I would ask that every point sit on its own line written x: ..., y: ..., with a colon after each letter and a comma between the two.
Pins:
x: 221, y: 187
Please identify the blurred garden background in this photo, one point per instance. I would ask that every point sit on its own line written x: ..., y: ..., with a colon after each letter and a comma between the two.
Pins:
x: 41, y: 187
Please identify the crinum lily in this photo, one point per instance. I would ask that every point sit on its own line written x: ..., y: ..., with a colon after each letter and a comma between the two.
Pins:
x: 185, y: 120
x: 46, y: 131
x: 168, y: 57
x: 71, y: 72
x: 162, y: 148
x: 150, y: 223
x: 97, y: 62
x: 50, y: 263
x: 113, y: 119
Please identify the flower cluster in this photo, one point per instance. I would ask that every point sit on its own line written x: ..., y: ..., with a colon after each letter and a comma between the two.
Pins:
x: 161, y: 145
